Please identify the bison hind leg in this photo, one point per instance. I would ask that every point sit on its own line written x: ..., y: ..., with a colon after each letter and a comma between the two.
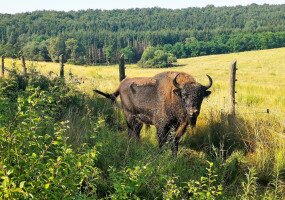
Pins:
x: 134, y: 127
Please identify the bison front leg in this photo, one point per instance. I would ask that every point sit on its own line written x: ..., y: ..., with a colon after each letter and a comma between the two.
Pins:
x: 179, y: 132
x: 162, y: 133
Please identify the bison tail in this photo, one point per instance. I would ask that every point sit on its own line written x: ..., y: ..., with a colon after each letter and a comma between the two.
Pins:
x: 112, y: 97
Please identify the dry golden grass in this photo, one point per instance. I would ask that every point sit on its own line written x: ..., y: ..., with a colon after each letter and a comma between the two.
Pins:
x: 261, y: 77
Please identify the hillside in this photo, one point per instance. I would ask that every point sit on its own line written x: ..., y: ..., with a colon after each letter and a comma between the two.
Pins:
x: 100, y: 36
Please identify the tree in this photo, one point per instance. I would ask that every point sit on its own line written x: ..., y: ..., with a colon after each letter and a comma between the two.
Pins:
x: 56, y: 47
x: 129, y: 54
x: 110, y: 54
x: 156, y: 58
x: 34, y: 50
x: 72, y: 50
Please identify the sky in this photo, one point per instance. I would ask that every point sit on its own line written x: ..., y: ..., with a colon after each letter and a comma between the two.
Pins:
x: 17, y: 6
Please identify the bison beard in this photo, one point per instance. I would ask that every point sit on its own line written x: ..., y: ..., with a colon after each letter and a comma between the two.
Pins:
x: 169, y: 100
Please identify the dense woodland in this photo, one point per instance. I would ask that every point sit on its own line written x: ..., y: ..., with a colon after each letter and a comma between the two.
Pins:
x: 100, y: 36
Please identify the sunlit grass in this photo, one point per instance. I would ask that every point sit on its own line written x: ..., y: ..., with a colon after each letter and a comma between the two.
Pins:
x: 260, y: 86
x: 261, y: 76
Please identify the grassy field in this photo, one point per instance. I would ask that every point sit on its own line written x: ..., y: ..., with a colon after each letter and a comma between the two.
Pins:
x: 260, y: 86
x: 256, y: 138
x: 260, y: 75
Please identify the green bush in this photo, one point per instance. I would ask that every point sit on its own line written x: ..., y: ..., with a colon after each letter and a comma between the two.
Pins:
x: 206, y: 188
x: 127, y: 183
x: 156, y: 58
x: 140, y: 181
x: 36, y: 160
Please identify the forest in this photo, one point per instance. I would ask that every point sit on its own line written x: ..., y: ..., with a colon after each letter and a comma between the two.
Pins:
x: 101, y: 36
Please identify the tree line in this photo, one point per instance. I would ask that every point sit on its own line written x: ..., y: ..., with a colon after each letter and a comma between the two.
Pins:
x: 100, y: 36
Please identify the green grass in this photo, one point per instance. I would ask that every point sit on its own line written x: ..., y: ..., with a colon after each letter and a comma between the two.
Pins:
x: 254, y: 140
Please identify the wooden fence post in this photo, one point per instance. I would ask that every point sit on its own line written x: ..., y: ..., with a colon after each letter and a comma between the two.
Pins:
x: 24, y: 66
x: 2, y: 65
x: 122, y: 74
x: 61, y: 72
x: 232, y: 87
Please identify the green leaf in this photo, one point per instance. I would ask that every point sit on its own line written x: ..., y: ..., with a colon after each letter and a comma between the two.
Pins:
x: 22, y: 184
x: 47, y: 186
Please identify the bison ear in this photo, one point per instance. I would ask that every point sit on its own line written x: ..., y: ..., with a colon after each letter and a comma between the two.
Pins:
x: 207, y: 93
x: 177, y: 92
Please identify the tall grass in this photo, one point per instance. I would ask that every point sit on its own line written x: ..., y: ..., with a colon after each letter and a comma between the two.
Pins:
x: 253, y: 141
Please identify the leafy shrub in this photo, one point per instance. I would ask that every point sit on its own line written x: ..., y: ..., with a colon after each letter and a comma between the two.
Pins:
x: 36, y: 160
x: 233, y: 168
x: 156, y: 58
x: 127, y: 182
x: 206, y: 188
x: 172, y: 191
x: 10, y: 88
x: 249, y: 186
x: 129, y: 54
x: 130, y: 183
x: 9, y: 91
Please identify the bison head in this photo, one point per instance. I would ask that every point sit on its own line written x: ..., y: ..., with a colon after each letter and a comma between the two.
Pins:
x: 192, y: 95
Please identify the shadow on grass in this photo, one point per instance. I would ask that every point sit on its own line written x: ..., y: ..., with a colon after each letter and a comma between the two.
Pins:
x: 219, y: 137
x: 178, y: 65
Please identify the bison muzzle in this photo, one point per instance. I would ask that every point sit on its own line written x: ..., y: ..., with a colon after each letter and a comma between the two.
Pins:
x: 169, y: 101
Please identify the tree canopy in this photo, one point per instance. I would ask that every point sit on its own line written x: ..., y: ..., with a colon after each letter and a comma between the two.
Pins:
x: 156, y: 58
x: 100, y: 36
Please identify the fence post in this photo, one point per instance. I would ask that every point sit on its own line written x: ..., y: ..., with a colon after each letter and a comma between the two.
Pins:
x: 61, y: 72
x: 24, y: 66
x: 232, y: 87
x: 2, y: 65
x: 122, y: 75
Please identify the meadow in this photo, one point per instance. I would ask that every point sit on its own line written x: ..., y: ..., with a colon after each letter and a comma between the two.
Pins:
x: 246, y: 158
x: 260, y: 74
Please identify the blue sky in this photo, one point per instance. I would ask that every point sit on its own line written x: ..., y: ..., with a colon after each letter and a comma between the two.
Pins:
x: 16, y: 6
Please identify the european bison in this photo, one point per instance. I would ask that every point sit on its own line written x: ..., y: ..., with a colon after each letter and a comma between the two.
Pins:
x: 169, y: 100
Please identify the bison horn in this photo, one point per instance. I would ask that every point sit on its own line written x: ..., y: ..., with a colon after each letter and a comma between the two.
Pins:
x: 210, y: 83
x: 175, y: 82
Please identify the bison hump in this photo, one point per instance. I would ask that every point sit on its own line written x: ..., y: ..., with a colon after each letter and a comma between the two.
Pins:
x: 182, y: 77
x: 144, y: 82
